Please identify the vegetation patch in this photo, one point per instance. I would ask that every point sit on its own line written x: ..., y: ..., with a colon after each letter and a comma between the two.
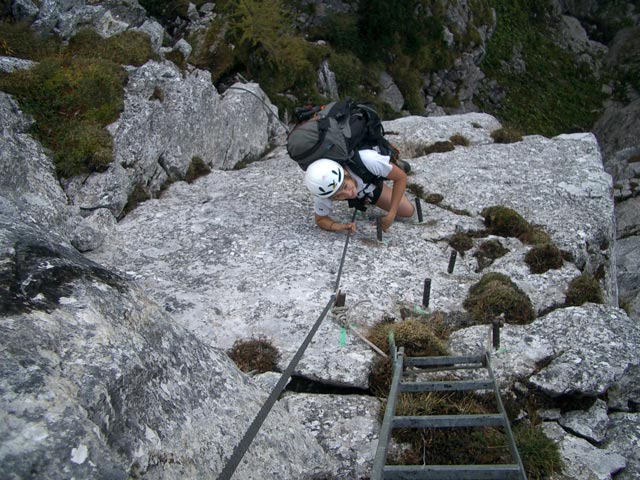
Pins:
x: 257, y: 355
x: 197, y: 169
x: 487, y: 252
x: 74, y: 91
x: 418, y: 339
x: 539, y: 454
x: 127, y: 48
x: 496, y: 294
x: 543, y: 257
x: 582, y: 289
x: 554, y: 93
x: 418, y: 191
x: 459, y: 139
x: 18, y: 40
x: 437, y: 147
x: 461, y: 242
x: 506, y: 222
x: 506, y: 135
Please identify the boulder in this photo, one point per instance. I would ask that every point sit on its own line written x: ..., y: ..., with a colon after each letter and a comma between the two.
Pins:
x: 170, y: 119
x: 99, y: 382
x: 28, y: 185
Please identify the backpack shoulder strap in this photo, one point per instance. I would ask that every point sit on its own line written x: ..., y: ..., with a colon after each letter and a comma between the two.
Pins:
x: 356, y: 164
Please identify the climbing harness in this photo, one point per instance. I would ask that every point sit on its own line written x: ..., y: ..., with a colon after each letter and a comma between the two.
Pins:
x: 401, y: 383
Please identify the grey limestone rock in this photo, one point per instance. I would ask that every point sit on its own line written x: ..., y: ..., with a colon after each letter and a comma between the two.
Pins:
x: 584, y: 350
x: 345, y: 425
x: 591, y: 424
x: 624, y: 439
x: 583, y: 460
x: 99, y: 382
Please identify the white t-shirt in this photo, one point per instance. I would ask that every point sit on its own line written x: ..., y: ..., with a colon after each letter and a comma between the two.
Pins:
x: 377, y: 164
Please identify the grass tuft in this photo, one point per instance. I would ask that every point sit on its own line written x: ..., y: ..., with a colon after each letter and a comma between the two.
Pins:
x: 543, y: 257
x: 496, y: 294
x: 255, y: 355
x: 582, y: 289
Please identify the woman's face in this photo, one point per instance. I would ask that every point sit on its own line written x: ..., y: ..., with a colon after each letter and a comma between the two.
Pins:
x: 347, y: 190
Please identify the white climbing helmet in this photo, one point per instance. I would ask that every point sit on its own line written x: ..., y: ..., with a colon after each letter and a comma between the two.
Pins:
x: 324, y: 177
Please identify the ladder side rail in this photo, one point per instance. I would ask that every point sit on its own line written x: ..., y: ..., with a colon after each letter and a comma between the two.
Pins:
x: 512, y: 443
x: 385, y: 430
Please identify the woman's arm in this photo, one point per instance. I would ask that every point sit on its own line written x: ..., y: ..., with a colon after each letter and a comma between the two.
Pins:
x: 399, y: 179
x: 327, y: 223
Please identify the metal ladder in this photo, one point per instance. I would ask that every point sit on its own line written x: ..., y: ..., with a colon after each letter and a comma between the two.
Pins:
x: 381, y: 470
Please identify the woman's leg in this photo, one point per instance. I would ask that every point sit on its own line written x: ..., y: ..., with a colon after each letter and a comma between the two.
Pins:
x: 405, y: 209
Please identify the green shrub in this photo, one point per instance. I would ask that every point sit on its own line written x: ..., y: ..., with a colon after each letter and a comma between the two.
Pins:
x: 496, y: 294
x: 437, y: 147
x: 18, y: 40
x: 211, y: 50
x: 505, y: 222
x: 71, y: 100
x: 487, y: 252
x: 492, y: 249
x: 554, y: 94
x: 582, y: 289
x: 543, y: 257
x: 127, y: 48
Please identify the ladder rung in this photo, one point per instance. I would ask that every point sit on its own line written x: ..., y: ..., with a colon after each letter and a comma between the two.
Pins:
x: 446, y: 386
x: 453, y: 472
x: 449, y: 421
x: 442, y: 361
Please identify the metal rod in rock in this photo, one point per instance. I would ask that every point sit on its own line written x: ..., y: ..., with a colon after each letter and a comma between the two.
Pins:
x: 426, y: 295
x: 419, y: 209
x: 452, y: 261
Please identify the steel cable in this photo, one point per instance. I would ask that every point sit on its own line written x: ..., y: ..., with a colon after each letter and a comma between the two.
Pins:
x: 241, y: 448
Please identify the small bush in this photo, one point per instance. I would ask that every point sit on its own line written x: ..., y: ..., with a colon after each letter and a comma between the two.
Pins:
x: 255, y: 355
x: 582, y: 289
x: 418, y: 191
x: 506, y: 135
x: 459, y: 139
x: 496, y: 294
x: 505, y: 222
x: 197, y: 169
x: 544, y: 257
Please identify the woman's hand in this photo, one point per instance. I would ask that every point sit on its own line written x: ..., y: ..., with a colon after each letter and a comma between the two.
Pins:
x: 386, y: 221
x: 344, y: 227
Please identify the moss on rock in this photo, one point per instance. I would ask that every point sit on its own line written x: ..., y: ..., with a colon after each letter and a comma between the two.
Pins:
x: 544, y: 257
x: 496, y: 294
x: 583, y: 289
